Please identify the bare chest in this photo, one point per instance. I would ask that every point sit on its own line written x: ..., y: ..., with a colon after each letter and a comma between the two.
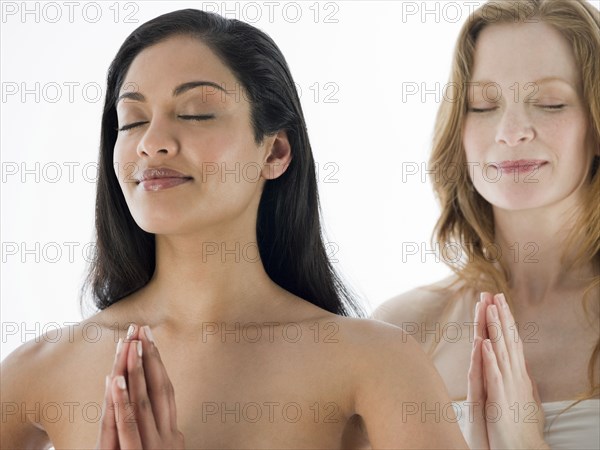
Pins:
x: 235, y: 395
x: 557, y: 351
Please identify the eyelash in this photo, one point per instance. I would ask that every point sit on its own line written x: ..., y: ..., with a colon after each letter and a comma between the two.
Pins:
x: 555, y: 107
x: 185, y: 117
x: 476, y: 110
x: 550, y: 107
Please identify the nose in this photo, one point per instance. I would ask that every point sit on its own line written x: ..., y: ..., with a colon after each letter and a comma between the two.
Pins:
x: 159, y: 138
x: 515, y: 127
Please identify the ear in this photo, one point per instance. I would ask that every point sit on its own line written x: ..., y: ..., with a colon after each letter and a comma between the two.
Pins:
x: 278, y: 155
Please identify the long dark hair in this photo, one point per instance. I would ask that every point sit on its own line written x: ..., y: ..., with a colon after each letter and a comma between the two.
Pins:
x: 288, y: 225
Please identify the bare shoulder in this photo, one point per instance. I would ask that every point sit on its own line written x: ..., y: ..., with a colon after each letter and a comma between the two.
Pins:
x: 371, y: 343
x: 372, y: 347
x: 361, y: 343
x: 363, y: 348
x: 52, y: 370
x: 50, y: 353
x: 36, y: 367
x: 420, y: 305
x: 391, y: 376
x: 27, y: 374
x: 21, y: 369
x: 355, y: 334
x: 377, y: 347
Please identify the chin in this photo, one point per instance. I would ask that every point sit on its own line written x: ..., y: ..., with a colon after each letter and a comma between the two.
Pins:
x: 515, y: 199
x: 157, y: 227
x: 508, y: 205
x: 159, y: 217
x: 157, y: 222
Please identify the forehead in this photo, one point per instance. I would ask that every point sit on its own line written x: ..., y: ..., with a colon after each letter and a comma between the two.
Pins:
x: 523, y: 52
x: 176, y: 60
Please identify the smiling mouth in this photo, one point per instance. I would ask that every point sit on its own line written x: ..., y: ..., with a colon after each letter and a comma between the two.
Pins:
x: 163, y: 178
x: 521, y: 165
x: 158, y: 184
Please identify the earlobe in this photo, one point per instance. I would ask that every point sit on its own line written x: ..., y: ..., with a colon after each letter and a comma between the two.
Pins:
x: 279, y: 156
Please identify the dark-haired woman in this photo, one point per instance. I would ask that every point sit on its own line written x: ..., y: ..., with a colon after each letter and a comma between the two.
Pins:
x: 209, y: 245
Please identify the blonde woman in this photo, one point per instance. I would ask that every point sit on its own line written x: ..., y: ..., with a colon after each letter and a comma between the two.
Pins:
x: 520, y: 219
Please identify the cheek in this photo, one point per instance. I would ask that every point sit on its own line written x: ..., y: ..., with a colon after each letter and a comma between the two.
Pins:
x: 567, y: 134
x: 473, y: 139
x: 124, y: 163
x: 225, y: 142
x: 216, y: 148
x: 567, y: 139
x: 119, y: 154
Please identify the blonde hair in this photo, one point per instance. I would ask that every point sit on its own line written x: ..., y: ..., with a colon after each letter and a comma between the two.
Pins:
x: 466, y: 221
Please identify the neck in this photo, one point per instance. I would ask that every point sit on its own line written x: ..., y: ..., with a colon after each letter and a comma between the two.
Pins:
x: 534, y: 248
x: 207, y: 277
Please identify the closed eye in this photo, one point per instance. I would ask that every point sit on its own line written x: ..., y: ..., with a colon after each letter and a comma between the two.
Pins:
x: 185, y: 117
x: 480, y: 110
x: 201, y: 117
x: 555, y: 107
x: 130, y: 126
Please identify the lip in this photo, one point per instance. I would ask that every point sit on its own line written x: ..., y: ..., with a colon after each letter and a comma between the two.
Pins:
x: 520, y: 165
x: 159, y: 178
x: 160, y: 172
x: 158, y: 184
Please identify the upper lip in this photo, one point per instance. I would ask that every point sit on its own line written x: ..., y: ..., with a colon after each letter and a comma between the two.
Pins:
x: 518, y: 163
x: 160, y: 172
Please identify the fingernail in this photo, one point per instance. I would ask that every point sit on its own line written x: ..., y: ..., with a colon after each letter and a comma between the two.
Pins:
x: 121, y: 382
x: 481, y: 296
x: 494, y: 311
x: 130, y: 331
x: 106, y: 381
x: 139, y: 348
x: 119, y: 345
x: 502, y: 300
x: 476, y: 308
x: 148, y: 333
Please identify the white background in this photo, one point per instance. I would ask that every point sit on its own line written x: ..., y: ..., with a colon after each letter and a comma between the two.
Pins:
x: 374, y: 55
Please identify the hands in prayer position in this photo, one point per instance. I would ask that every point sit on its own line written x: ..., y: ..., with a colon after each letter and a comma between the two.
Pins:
x: 139, y: 401
x: 507, y: 410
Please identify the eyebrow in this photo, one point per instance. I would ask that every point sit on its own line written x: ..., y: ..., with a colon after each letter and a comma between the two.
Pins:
x: 182, y: 88
x: 538, y: 81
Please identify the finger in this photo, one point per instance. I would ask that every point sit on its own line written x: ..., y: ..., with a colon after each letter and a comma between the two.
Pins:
x: 479, y: 325
x: 119, y: 368
x: 120, y: 362
x: 159, y: 386
x: 132, y: 331
x: 492, y: 374
x: 138, y: 394
x: 476, y: 397
x: 475, y: 388
x: 497, y: 340
x: 108, y: 432
x: 108, y: 437
x: 480, y: 316
x: 512, y: 340
x: 475, y: 391
x: 127, y: 427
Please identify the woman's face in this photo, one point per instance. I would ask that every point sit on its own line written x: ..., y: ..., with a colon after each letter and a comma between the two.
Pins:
x: 525, y: 134
x: 200, y: 131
